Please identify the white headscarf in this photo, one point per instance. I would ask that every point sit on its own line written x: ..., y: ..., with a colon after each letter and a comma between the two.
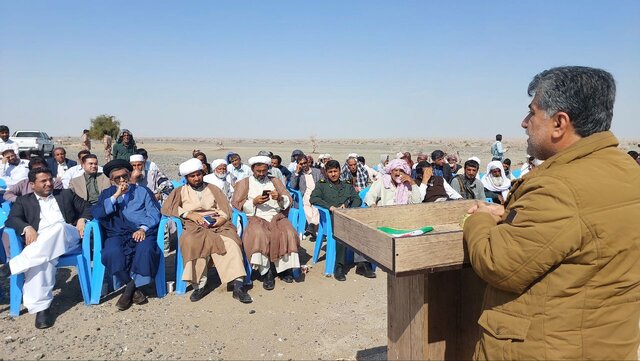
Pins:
x: 489, y: 183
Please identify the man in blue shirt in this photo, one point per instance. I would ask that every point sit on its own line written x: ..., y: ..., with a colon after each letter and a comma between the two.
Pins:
x: 129, y: 216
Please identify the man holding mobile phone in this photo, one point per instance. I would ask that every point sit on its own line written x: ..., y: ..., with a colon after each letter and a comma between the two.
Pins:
x: 209, y: 238
x: 269, y: 239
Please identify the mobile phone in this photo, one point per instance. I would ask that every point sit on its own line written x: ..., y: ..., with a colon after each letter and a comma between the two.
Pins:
x: 266, y: 193
x: 209, y: 220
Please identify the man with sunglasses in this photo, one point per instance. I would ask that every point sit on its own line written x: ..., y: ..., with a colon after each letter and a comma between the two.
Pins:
x: 129, y: 216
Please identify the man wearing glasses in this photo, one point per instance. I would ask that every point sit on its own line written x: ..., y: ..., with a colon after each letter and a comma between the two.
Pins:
x: 129, y: 216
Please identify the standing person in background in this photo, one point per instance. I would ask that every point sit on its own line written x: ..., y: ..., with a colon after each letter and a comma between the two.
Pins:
x: 107, y: 142
x: 560, y: 262
x: 125, y: 146
x: 5, y: 142
x: 497, y: 150
x: 85, y: 140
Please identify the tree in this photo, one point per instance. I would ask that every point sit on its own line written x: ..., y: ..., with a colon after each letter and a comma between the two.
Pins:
x: 103, y: 123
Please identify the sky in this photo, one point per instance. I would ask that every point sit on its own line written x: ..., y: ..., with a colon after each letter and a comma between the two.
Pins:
x: 295, y: 69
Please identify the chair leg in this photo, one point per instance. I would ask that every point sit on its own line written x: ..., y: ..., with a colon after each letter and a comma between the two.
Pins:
x: 97, y: 278
x: 330, y: 262
x: 15, y: 293
x: 181, y: 286
x: 83, y: 277
x: 318, y: 245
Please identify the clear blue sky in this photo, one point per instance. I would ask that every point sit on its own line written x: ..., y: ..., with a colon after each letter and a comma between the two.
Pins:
x: 291, y: 69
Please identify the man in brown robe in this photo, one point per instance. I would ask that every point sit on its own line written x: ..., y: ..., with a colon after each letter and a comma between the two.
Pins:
x: 209, y: 238
x: 269, y: 239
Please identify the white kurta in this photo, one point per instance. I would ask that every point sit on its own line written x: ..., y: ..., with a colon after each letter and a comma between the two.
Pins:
x: 39, y: 259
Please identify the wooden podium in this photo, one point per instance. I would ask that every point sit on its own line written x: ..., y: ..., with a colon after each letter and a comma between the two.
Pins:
x: 433, y: 296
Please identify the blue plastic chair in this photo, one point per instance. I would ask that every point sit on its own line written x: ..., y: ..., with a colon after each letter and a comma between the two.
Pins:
x: 325, y: 228
x: 516, y: 173
x: 3, y: 184
x: 299, y: 222
x: 92, y: 228
x: 74, y: 259
x: 489, y: 200
x: 181, y: 286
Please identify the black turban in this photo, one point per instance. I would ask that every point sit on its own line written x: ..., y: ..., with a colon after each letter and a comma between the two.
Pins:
x: 116, y: 164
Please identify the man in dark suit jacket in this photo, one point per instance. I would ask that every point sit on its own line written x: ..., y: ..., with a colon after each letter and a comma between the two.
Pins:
x: 59, y: 159
x: 51, y: 222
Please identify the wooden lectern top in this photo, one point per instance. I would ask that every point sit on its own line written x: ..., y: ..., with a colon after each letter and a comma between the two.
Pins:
x: 439, y: 250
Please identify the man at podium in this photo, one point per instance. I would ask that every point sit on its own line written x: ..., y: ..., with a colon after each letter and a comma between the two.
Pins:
x: 559, y: 258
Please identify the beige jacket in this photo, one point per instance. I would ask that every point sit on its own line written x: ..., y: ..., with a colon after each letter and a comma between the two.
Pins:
x: 562, y: 267
x: 79, y: 186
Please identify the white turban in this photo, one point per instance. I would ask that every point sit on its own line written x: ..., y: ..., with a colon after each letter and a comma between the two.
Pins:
x: 475, y: 158
x: 321, y: 156
x: 217, y: 162
x: 190, y: 166
x: 136, y: 158
x: 259, y: 159
x: 352, y: 155
x: 399, y: 155
x: 327, y: 156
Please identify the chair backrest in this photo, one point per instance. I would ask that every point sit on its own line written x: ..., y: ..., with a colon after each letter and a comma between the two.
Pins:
x: 489, y: 200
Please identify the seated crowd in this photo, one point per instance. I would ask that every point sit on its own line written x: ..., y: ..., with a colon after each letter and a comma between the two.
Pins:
x: 53, y: 198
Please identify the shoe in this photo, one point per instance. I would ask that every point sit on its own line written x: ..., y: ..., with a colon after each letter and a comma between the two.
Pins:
x: 139, y: 298
x: 287, y: 276
x: 338, y: 273
x: 240, y: 293
x: 269, y: 281
x: 124, y: 302
x: 44, y: 319
x: 198, y: 294
x: 364, y: 269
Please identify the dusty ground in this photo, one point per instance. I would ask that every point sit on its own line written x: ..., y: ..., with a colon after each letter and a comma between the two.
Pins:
x: 318, y: 318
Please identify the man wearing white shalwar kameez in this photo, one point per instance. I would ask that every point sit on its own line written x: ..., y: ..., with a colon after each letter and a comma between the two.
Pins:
x: 46, y: 219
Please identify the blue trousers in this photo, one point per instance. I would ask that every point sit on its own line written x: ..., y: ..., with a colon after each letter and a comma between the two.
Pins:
x: 140, y: 260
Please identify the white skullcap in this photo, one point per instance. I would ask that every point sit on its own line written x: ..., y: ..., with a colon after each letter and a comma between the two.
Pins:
x: 327, y: 156
x: 475, y: 158
x: 259, y: 159
x: 217, y: 162
x: 190, y: 166
x: 399, y: 155
x: 352, y: 155
x: 321, y: 156
x: 136, y: 158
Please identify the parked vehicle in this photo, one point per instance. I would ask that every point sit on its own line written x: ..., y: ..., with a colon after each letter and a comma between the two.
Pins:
x: 33, y: 140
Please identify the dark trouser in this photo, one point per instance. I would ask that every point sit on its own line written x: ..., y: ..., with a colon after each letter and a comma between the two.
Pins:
x: 123, y: 257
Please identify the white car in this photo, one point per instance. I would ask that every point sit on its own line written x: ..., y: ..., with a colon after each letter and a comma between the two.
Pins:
x: 33, y: 140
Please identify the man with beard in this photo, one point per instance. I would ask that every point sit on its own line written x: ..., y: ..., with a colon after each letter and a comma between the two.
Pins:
x: 467, y: 185
x: 52, y: 222
x: 270, y: 241
x: 221, y: 178
x: 153, y: 179
x: 12, y: 170
x: 129, y: 216
x: 305, y: 179
x: 395, y: 187
x: 495, y: 182
x: 91, y: 183
x: 561, y: 261
x: 125, y: 146
x: 355, y: 173
x: 209, y: 239
x: 334, y: 193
